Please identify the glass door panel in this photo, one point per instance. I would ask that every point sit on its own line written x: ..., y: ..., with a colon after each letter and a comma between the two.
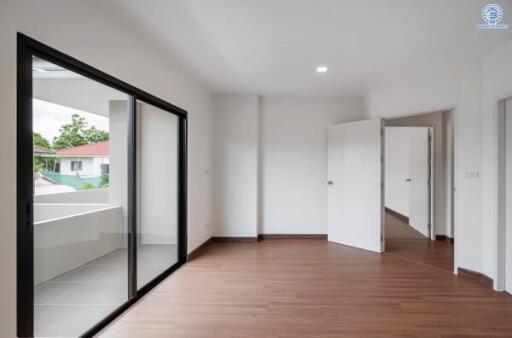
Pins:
x: 157, y: 190
x: 80, y: 163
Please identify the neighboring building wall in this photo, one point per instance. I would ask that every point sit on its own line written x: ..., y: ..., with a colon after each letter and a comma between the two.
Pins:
x: 91, y: 166
x: 97, y: 163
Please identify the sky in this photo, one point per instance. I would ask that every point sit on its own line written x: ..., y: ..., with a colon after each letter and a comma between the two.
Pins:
x: 49, y: 117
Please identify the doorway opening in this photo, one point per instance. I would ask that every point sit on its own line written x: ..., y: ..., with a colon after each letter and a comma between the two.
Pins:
x: 418, y: 162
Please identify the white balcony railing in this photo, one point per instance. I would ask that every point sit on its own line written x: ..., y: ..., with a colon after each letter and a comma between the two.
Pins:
x: 69, y: 235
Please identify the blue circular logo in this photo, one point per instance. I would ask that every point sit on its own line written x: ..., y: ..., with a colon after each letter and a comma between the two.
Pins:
x: 492, y: 14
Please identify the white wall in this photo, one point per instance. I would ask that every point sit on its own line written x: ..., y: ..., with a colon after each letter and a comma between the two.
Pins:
x: 270, y: 168
x: 293, y: 182
x: 235, y: 165
x: 497, y: 85
x: 442, y: 88
x: 397, y: 165
x: 91, y: 166
x: 99, y: 39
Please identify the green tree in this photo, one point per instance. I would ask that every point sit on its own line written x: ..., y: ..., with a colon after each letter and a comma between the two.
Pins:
x: 104, y: 181
x: 38, y: 165
x: 71, y: 134
x: 41, y: 163
x: 77, y: 133
x: 87, y: 186
x: 93, y: 135
x: 40, y: 141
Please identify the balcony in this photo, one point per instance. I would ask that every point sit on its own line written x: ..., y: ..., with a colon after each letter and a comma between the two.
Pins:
x: 81, y: 260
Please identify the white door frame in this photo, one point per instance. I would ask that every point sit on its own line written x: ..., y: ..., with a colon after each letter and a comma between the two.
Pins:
x: 431, y: 183
x: 454, y: 110
x: 432, y: 233
x: 504, y: 253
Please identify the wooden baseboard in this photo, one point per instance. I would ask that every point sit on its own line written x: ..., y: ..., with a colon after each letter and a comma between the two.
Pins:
x: 445, y: 238
x: 199, y: 250
x: 292, y: 236
x: 234, y: 239
x: 398, y: 215
x: 480, y: 277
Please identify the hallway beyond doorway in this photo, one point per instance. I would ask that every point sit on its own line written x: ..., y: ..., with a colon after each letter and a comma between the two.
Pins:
x: 403, y: 242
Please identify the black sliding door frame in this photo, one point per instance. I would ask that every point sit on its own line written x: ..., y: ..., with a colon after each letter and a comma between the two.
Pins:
x: 26, y: 49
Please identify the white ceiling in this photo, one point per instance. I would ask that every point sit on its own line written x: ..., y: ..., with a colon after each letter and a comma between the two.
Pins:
x: 43, y: 69
x: 55, y: 84
x: 272, y: 47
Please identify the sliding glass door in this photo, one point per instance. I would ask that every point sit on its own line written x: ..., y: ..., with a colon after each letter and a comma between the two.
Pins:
x: 101, y: 194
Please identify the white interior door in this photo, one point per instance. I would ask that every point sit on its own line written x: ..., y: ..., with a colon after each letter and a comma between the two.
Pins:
x: 419, y: 171
x: 355, y: 189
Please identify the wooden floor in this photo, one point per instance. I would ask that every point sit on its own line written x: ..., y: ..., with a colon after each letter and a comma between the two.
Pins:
x: 397, y: 228
x: 404, y: 242
x: 312, y: 288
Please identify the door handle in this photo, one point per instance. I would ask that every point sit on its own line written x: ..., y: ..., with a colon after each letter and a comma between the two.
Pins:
x: 408, y: 180
x: 330, y: 183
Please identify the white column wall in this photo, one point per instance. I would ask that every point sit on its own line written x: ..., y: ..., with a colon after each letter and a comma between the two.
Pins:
x: 118, y: 157
x: 235, y: 187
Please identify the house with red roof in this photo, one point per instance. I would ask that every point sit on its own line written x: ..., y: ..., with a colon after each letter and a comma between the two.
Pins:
x: 88, y: 160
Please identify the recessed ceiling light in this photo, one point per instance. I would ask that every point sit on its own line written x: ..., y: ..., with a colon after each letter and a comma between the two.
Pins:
x: 321, y: 69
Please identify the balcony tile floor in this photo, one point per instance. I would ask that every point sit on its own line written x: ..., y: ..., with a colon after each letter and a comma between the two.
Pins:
x: 69, y: 304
